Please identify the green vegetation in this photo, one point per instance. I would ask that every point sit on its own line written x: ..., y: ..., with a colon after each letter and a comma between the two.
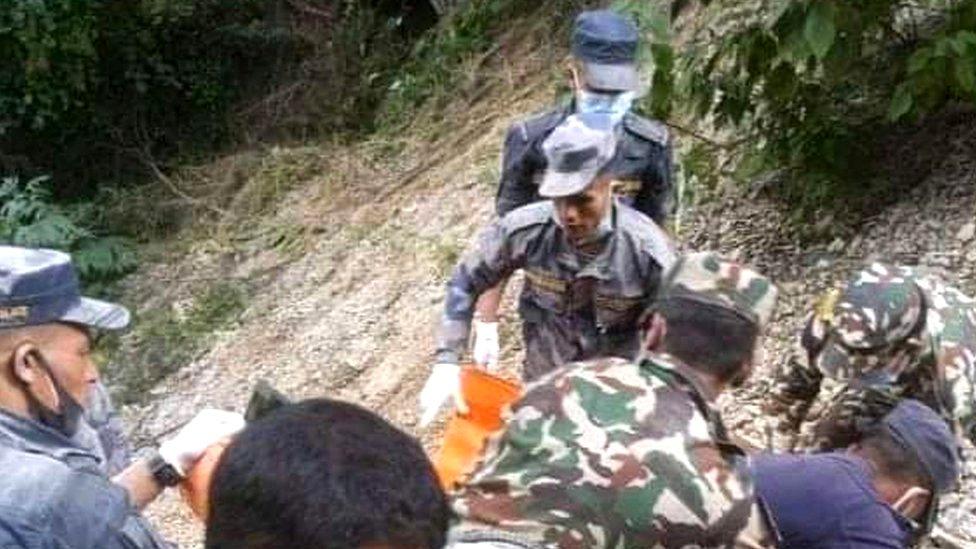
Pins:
x: 431, y: 74
x: 89, y: 91
x: 808, y: 85
x: 164, y: 340
x: 29, y: 217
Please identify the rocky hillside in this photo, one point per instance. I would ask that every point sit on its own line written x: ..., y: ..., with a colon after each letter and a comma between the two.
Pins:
x: 344, y: 295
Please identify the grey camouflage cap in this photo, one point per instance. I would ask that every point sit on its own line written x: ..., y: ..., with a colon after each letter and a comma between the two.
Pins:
x: 606, y: 43
x: 576, y: 153
x: 40, y: 286
x: 707, y: 278
x: 855, y: 330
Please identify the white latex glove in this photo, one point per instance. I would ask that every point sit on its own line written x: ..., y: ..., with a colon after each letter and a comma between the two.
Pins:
x: 205, y: 429
x: 486, y: 348
x: 444, y: 383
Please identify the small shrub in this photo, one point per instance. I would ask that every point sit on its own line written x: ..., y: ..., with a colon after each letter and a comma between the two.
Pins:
x: 29, y: 217
x: 808, y: 85
x: 162, y: 340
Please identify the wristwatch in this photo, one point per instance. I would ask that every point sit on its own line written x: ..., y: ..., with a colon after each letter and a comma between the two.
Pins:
x: 164, y: 473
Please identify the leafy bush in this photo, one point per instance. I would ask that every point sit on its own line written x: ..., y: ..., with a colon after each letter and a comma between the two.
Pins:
x: 808, y: 84
x: 28, y: 217
x: 86, y: 87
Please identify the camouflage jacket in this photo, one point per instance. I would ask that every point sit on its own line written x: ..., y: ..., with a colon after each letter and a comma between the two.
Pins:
x: 572, y: 308
x: 942, y: 373
x: 642, y: 164
x: 615, y: 454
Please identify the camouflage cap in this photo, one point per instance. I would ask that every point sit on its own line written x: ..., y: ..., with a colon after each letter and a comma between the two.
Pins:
x: 576, y: 153
x: 708, y: 278
x: 853, y: 330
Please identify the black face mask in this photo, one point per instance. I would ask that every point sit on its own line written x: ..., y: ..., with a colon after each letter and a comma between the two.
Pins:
x: 66, y: 419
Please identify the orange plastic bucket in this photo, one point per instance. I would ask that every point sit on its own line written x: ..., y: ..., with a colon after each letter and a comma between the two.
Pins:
x: 195, y: 488
x: 486, y: 396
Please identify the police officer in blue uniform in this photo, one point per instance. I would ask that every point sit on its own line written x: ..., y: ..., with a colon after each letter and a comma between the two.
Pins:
x: 55, y: 491
x: 592, y: 265
x: 604, y: 77
x: 605, y: 80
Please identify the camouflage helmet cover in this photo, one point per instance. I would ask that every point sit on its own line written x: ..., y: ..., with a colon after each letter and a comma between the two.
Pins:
x: 707, y: 278
x: 853, y: 330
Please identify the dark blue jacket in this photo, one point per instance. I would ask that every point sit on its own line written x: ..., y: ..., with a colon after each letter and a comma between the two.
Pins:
x: 55, y: 495
x: 826, y: 501
x: 642, y: 163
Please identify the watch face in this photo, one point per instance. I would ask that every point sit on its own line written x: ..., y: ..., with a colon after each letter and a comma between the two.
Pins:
x: 164, y: 473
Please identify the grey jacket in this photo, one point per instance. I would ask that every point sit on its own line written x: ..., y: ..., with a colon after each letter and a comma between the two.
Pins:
x: 55, y: 495
x: 572, y: 308
x: 642, y: 163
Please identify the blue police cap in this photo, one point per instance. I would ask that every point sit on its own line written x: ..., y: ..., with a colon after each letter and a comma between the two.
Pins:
x: 919, y: 429
x: 606, y: 43
x: 41, y: 286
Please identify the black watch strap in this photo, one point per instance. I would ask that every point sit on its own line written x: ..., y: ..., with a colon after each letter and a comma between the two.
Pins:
x: 164, y: 473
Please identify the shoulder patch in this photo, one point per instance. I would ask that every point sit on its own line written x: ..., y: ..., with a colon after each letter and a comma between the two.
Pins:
x: 651, y: 237
x: 540, y: 123
x: 537, y: 213
x: 652, y: 130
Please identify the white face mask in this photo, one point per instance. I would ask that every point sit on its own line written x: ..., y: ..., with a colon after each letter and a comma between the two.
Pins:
x: 614, y: 104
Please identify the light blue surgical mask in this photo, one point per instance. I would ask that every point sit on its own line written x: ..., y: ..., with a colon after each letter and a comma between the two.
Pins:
x: 616, y: 105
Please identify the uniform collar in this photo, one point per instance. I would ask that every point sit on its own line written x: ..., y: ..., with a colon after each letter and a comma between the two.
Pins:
x: 32, y: 437
x: 676, y: 373
x: 598, y: 265
x: 685, y: 373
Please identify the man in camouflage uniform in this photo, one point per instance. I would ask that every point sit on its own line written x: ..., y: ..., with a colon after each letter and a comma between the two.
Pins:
x: 614, y: 453
x: 591, y: 264
x: 604, y: 80
x: 892, y: 333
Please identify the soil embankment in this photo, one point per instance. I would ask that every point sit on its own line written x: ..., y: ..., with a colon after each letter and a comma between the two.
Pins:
x: 352, y: 314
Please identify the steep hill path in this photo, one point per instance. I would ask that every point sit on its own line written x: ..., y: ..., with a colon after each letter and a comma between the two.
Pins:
x: 352, y: 314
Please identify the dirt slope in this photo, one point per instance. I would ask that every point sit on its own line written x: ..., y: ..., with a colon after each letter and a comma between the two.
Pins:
x: 352, y: 316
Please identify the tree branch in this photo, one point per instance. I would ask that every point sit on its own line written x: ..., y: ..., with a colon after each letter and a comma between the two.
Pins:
x: 145, y: 157
x: 700, y: 137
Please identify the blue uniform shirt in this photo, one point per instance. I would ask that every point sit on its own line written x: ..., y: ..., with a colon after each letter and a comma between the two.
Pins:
x: 643, y: 160
x: 826, y: 501
x: 55, y: 495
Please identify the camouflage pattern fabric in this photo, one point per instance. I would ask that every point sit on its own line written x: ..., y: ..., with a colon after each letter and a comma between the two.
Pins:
x: 707, y: 278
x: 893, y: 332
x: 610, y: 453
x: 573, y: 306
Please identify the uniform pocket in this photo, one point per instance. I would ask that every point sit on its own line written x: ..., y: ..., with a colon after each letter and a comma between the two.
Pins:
x: 615, y: 312
x: 546, y: 292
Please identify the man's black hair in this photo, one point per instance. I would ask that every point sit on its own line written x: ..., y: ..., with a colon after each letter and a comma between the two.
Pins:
x: 708, y: 337
x: 324, y: 474
x: 892, y: 459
